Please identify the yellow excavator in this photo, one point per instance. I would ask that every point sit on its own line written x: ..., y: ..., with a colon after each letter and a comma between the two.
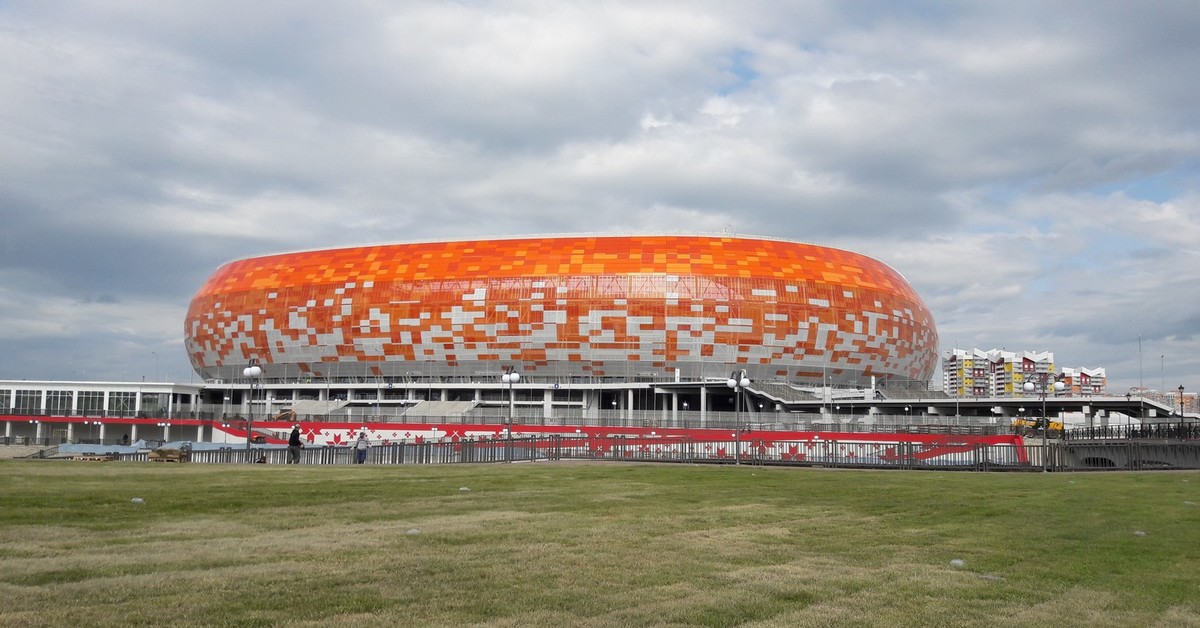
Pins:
x: 1032, y: 426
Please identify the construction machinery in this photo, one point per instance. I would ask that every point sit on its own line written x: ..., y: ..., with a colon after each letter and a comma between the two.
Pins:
x: 1032, y: 426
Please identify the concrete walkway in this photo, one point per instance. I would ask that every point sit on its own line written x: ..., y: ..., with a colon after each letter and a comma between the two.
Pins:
x: 18, y: 451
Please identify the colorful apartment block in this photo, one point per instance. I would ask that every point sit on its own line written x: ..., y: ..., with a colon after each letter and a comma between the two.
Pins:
x: 1000, y: 373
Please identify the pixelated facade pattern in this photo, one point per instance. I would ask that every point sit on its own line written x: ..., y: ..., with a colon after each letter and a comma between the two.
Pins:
x: 599, y: 307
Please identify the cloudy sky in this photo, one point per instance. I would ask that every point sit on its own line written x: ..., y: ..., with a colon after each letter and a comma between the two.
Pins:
x: 1030, y: 167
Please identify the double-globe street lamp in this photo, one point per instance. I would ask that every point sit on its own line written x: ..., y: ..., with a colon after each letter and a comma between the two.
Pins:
x: 510, y: 377
x: 738, y: 382
x: 252, y: 371
x: 92, y: 431
x: 1043, y: 387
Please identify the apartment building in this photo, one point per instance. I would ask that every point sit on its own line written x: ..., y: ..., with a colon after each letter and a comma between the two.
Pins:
x: 1000, y: 373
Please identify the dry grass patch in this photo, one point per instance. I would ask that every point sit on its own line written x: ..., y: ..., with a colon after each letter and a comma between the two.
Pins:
x: 591, y: 545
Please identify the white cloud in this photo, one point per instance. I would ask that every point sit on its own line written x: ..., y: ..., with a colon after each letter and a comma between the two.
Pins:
x: 1030, y: 167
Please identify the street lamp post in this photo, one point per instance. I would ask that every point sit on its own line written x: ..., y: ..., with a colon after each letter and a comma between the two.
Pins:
x: 738, y: 382
x: 1181, y: 402
x: 1043, y: 387
x: 510, y: 377
x: 252, y: 371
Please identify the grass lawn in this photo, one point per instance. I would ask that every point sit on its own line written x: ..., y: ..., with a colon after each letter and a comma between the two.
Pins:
x: 593, y: 544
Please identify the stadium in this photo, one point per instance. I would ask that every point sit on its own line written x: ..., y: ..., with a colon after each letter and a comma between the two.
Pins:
x: 583, y: 309
x: 578, y: 329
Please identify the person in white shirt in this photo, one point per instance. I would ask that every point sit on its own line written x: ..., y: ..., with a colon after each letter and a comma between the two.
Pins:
x: 360, y: 447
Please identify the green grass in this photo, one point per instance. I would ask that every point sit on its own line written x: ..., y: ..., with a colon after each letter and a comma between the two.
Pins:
x: 593, y: 544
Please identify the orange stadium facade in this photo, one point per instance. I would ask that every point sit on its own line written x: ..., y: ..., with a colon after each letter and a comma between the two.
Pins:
x: 562, y: 309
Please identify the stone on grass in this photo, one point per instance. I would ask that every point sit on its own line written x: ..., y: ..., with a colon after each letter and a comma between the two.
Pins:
x: 137, y: 500
x: 958, y: 562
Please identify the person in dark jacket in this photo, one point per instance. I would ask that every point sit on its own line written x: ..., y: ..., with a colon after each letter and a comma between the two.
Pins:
x: 294, y: 446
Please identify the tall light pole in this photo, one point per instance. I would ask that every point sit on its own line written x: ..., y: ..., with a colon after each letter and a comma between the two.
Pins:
x: 1043, y: 387
x: 1181, y: 402
x: 510, y: 377
x: 738, y: 382
x: 251, y: 372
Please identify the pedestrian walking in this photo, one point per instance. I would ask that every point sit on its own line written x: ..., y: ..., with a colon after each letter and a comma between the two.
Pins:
x: 294, y: 445
x: 360, y: 447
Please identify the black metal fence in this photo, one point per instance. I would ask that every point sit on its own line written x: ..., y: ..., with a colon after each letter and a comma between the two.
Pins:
x: 1177, y: 431
x: 817, y: 453
x: 1124, y: 447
